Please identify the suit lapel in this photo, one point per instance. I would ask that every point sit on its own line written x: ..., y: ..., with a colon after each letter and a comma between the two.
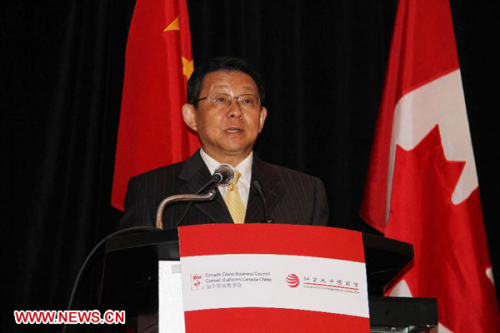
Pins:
x: 195, y: 174
x: 272, y: 190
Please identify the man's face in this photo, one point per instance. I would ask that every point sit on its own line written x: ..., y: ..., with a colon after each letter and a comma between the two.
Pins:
x: 226, y: 133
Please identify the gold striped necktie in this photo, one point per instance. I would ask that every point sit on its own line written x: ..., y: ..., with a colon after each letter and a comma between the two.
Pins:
x: 233, y: 201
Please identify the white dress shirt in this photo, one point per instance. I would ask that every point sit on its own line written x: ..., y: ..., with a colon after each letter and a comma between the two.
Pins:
x: 245, y: 168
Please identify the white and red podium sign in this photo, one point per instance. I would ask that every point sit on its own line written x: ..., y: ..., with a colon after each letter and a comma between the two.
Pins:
x: 273, y: 278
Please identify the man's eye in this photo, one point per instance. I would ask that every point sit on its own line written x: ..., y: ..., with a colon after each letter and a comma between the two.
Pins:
x: 250, y: 100
x: 220, y: 99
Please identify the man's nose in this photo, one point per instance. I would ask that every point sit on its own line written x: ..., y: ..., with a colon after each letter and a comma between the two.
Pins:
x: 235, y: 109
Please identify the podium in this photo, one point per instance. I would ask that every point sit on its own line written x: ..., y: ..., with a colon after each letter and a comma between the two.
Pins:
x: 130, y: 281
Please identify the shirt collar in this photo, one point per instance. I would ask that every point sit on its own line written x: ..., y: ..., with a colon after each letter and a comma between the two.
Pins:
x: 245, y: 166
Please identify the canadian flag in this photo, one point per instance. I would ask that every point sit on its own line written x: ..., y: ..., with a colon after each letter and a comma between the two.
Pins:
x: 422, y: 185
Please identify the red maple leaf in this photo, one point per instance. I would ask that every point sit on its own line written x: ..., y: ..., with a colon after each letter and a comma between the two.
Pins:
x: 451, y: 254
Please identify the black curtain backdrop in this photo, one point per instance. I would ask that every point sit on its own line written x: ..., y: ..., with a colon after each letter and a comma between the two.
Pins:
x: 61, y: 76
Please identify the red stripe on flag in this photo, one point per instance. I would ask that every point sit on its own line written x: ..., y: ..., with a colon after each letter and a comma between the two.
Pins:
x: 151, y: 132
x: 262, y: 239
x: 272, y: 320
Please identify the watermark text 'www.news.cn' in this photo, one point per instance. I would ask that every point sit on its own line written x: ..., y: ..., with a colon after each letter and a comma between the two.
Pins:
x: 69, y: 317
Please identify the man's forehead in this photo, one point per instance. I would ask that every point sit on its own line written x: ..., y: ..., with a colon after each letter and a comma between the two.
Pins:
x: 226, y: 79
x: 225, y: 86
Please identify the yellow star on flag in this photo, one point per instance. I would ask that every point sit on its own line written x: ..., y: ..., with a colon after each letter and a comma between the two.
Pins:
x: 173, y: 26
x: 187, y: 67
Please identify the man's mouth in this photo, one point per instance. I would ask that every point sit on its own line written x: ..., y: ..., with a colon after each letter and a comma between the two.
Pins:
x: 233, y: 130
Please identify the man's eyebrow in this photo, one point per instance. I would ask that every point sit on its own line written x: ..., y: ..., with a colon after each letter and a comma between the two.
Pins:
x: 248, y: 88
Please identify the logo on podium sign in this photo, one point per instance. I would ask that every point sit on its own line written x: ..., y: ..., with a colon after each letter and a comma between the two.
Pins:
x: 292, y: 280
x: 196, y: 282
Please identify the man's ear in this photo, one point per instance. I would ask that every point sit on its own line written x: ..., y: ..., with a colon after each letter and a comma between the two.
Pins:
x: 262, y: 119
x: 189, y: 116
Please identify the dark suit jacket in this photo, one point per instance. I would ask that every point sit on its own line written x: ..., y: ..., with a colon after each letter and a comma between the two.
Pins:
x: 292, y: 197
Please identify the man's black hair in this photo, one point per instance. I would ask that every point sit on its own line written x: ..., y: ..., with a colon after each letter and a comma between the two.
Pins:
x: 231, y: 64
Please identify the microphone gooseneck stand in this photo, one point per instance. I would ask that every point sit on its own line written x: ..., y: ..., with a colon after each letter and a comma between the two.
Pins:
x: 181, y: 197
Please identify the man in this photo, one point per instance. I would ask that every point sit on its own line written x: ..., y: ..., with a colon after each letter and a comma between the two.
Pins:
x: 225, y: 109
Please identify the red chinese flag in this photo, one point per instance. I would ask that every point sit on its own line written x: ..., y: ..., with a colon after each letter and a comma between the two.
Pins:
x: 422, y: 186
x: 158, y: 63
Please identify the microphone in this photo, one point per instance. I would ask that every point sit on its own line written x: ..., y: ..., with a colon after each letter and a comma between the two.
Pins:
x: 258, y: 189
x: 223, y: 175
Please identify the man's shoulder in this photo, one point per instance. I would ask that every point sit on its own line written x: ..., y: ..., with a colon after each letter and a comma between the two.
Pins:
x: 167, y: 170
x: 286, y: 173
x: 175, y: 169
